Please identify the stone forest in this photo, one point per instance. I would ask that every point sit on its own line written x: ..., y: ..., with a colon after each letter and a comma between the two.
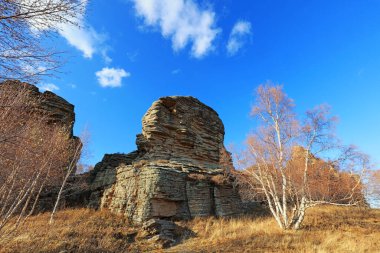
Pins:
x: 179, y: 171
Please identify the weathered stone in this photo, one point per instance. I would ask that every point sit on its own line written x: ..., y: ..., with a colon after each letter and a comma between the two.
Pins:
x: 182, y: 130
x: 162, y: 233
x: 178, y: 171
x: 58, y: 110
x: 54, y: 111
x: 200, y: 199
x: 225, y: 201
x: 103, y: 176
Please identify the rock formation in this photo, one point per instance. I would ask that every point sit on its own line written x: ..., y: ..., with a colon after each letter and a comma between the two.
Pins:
x: 58, y: 110
x: 178, y: 171
x: 23, y: 105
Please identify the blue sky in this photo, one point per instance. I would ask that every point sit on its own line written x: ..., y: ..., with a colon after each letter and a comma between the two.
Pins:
x: 131, y: 52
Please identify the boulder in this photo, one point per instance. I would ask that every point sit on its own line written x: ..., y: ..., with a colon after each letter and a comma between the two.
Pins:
x: 162, y: 233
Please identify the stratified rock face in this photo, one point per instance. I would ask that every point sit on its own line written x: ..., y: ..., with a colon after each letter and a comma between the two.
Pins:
x: 53, y: 110
x: 56, y: 109
x: 183, y: 130
x: 104, y: 175
x: 59, y: 110
x: 176, y: 171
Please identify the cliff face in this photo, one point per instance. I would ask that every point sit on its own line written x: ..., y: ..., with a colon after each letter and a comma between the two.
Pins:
x: 182, y: 130
x: 59, y: 111
x: 23, y: 105
x: 178, y: 171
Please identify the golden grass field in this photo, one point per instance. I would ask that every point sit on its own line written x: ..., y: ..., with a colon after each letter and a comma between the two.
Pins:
x: 326, y: 229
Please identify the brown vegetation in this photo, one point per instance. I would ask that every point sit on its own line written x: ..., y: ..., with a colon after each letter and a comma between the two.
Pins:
x: 326, y: 229
x: 79, y: 230
x: 281, y: 162
x: 36, y: 154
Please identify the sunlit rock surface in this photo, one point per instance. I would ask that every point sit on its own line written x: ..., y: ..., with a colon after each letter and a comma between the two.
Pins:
x: 178, y: 171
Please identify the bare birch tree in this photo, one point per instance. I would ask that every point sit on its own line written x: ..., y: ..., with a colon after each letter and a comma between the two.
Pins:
x: 34, y: 155
x: 24, y: 24
x: 373, y: 188
x: 281, y: 160
x: 69, y: 172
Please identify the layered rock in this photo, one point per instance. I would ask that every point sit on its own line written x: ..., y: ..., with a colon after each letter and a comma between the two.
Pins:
x: 104, y: 175
x: 184, y: 131
x: 57, y: 109
x: 178, y: 171
x: 27, y: 105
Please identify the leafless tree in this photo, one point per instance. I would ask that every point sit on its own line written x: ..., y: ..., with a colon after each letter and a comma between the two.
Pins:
x: 281, y: 159
x: 373, y: 187
x: 24, y: 24
x: 70, y: 171
x: 34, y: 155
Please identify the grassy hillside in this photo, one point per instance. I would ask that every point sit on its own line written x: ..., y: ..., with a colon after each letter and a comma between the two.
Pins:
x: 326, y: 229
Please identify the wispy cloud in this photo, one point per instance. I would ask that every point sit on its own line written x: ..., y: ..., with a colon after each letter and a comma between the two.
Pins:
x: 81, y: 35
x: 111, y: 77
x: 238, y: 36
x: 72, y: 85
x: 182, y: 21
x: 106, y: 58
x: 132, y: 56
x: 175, y: 71
x: 30, y: 70
x: 48, y: 87
x: 83, y: 38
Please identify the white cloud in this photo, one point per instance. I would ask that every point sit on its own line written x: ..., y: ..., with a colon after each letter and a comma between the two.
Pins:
x: 111, y: 77
x: 48, y: 87
x: 238, y: 36
x: 183, y: 21
x: 30, y: 70
x: 81, y: 36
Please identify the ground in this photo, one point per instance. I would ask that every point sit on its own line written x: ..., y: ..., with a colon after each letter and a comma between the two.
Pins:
x: 326, y: 229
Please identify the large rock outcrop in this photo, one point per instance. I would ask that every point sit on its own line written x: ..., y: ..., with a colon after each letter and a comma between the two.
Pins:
x: 57, y: 109
x: 22, y: 104
x: 179, y: 170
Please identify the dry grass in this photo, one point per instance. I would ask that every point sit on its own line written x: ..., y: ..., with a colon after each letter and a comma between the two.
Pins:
x: 78, y: 230
x: 326, y: 229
